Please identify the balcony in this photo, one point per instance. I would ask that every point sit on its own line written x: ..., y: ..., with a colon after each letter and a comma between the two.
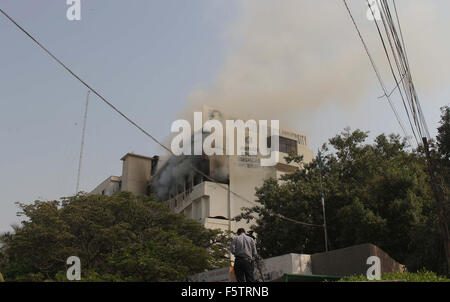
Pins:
x: 204, y: 189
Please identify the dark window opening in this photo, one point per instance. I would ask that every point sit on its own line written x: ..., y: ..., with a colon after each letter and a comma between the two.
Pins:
x: 198, y: 179
x: 154, y: 165
x: 219, y: 217
x: 150, y: 190
x: 188, y: 183
x: 286, y: 145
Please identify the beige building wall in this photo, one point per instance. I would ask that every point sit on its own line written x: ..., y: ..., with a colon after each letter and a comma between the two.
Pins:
x: 136, y: 173
x: 208, y: 201
x: 109, y: 186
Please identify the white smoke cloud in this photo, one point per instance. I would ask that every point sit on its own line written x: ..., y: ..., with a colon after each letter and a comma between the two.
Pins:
x: 287, y: 58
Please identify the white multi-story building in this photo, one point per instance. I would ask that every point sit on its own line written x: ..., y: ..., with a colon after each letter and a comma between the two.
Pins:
x: 211, y: 200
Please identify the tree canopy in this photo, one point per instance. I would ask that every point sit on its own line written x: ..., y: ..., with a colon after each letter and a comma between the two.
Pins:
x: 443, y: 137
x: 117, y: 238
x: 374, y: 193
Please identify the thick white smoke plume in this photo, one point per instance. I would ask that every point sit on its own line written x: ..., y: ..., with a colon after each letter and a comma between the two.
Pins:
x: 288, y: 58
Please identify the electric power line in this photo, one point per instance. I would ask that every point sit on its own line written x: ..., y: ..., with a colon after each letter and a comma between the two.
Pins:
x: 380, y: 80
x: 418, y: 116
x: 140, y: 128
x: 390, y: 63
x: 397, y: 46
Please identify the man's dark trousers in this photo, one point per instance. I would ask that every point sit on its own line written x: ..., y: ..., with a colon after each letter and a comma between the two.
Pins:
x: 243, y: 269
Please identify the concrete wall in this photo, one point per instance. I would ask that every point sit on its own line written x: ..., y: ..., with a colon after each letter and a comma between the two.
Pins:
x: 276, y: 267
x: 245, y: 177
x: 214, y: 223
x: 352, y: 261
x: 109, y: 186
x: 217, y: 275
x: 341, y: 262
x: 273, y: 269
x: 207, y: 204
x: 246, y: 172
x: 136, y: 173
x: 300, y: 137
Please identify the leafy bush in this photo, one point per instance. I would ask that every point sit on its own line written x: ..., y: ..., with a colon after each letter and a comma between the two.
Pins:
x: 420, y: 276
x: 118, y: 238
x: 375, y: 192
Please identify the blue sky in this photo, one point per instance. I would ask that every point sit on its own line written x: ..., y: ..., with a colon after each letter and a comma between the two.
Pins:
x: 149, y: 57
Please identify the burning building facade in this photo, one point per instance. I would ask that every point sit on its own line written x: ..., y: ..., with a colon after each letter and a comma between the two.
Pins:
x: 209, y: 189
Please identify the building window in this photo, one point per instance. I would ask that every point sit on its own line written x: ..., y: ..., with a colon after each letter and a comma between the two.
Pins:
x: 154, y: 165
x: 286, y: 145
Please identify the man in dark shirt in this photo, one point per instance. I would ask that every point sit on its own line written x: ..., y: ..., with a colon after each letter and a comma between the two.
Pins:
x: 244, y: 250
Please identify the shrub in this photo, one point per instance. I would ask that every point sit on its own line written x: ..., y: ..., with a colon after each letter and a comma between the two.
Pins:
x: 420, y: 276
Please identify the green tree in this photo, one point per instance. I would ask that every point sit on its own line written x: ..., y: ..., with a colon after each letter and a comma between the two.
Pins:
x: 443, y: 137
x: 377, y: 193
x: 442, y: 169
x: 118, y: 238
x: 443, y: 154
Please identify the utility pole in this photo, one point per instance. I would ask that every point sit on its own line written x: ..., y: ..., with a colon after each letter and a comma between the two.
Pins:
x: 324, y: 222
x: 229, y: 206
x: 439, y: 198
x: 82, y: 142
x: 229, y: 200
x: 322, y: 199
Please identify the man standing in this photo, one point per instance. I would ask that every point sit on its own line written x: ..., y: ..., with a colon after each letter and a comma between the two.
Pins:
x: 244, y: 250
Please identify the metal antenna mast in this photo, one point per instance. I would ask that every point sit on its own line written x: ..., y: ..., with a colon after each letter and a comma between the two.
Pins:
x: 322, y: 199
x: 82, y: 141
